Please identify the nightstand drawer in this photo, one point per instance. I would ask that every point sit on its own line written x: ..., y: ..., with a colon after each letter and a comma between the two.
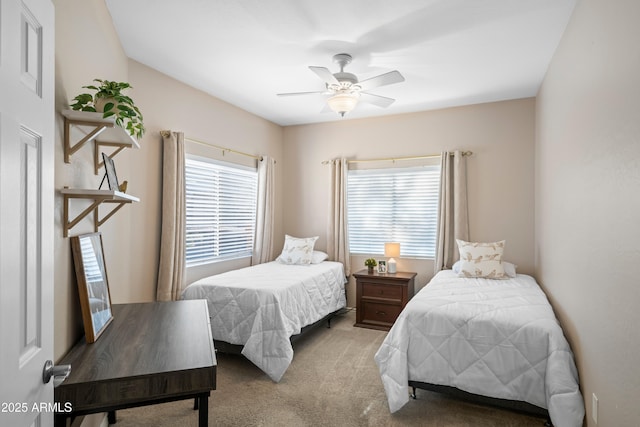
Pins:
x: 380, y: 313
x: 381, y: 297
x: 391, y: 292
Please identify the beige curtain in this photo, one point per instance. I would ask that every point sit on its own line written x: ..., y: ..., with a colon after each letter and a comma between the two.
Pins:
x: 263, y: 238
x: 453, y: 221
x: 337, y: 233
x: 171, y: 270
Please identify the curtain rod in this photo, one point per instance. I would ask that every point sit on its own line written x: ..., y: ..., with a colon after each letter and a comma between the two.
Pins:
x: 394, y: 159
x: 224, y: 149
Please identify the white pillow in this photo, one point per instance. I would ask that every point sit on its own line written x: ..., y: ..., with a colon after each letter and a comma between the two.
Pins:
x: 297, y: 251
x: 481, y: 259
x: 318, y: 256
x: 509, y: 269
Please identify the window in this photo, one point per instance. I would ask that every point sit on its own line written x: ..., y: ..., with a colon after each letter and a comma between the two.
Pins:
x: 393, y: 205
x: 221, y: 210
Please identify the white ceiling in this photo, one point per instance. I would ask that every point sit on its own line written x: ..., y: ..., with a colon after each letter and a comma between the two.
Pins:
x: 451, y: 52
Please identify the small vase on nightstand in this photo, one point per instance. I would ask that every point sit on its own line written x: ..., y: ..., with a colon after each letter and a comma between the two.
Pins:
x: 370, y: 270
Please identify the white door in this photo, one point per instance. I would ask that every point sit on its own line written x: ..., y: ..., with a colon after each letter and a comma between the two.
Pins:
x: 26, y: 210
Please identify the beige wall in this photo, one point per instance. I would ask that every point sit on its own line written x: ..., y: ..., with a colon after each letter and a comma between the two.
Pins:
x: 168, y: 104
x: 87, y: 47
x: 500, y: 172
x: 588, y: 201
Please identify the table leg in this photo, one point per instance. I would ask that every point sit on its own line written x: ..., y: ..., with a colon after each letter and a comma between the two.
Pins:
x: 60, y: 420
x: 111, y: 417
x: 203, y: 411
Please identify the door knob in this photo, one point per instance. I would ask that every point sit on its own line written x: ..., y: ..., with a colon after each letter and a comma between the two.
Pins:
x: 58, y: 372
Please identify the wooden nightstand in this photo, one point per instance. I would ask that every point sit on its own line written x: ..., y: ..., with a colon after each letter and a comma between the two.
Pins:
x: 381, y: 297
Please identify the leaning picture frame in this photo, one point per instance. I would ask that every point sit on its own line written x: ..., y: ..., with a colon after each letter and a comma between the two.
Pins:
x: 110, y: 172
x: 93, y: 284
x: 382, y: 266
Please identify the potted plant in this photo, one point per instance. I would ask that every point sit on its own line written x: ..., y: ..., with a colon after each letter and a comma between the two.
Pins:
x: 370, y: 263
x: 109, y: 100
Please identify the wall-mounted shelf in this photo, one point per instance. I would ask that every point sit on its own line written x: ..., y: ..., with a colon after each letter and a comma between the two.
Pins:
x: 99, y: 197
x: 103, y: 131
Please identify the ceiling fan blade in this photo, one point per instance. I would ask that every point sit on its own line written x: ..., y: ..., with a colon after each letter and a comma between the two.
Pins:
x: 325, y: 75
x: 301, y: 93
x: 382, y: 80
x: 380, y: 101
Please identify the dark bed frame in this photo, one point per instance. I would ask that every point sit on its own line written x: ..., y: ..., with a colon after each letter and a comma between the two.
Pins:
x: 225, y: 347
x: 513, y: 405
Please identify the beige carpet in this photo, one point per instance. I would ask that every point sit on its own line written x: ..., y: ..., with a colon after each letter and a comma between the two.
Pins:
x: 333, y: 381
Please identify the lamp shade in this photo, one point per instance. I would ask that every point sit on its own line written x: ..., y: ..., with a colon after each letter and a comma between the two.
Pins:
x: 392, y: 249
x: 342, y: 103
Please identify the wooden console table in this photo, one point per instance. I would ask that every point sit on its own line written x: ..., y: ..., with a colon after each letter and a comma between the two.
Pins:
x: 151, y: 353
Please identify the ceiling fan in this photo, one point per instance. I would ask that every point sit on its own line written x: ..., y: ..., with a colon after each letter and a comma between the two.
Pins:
x: 345, y: 90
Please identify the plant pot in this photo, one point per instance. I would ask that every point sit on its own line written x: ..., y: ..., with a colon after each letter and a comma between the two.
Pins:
x: 101, y: 102
x: 370, y: 270
x: 123, y: 110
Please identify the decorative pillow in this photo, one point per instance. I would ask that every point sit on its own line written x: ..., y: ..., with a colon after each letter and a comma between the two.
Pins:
x: 481, y: 259
x: 509, y: 268
x: 297, y: 251
x: 318, y: 256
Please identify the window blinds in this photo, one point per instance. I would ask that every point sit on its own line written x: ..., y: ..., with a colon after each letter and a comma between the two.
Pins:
x: 221, y: 210
x: 393, y: 205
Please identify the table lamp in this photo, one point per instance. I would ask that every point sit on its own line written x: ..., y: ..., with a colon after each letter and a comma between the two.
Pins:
x: 391, y: 250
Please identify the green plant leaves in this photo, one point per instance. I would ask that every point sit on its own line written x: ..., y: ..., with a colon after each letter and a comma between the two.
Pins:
x: 122, y: 108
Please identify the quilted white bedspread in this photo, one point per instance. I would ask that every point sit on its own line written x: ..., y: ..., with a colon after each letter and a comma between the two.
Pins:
x: 496, y: 338
x: 262, y: 306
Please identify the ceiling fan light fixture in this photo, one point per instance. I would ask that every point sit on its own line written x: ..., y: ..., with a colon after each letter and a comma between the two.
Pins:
x: 343, y: 103
x: 346, y: 90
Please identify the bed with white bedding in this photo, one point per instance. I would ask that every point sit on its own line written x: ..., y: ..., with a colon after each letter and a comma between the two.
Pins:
x: 495, y: 338
x: 262, y: 306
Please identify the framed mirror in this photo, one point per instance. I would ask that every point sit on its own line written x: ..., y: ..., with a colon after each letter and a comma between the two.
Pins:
x: 93, y: 285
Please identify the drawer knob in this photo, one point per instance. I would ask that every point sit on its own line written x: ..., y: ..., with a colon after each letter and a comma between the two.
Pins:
x: 381, y: 313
